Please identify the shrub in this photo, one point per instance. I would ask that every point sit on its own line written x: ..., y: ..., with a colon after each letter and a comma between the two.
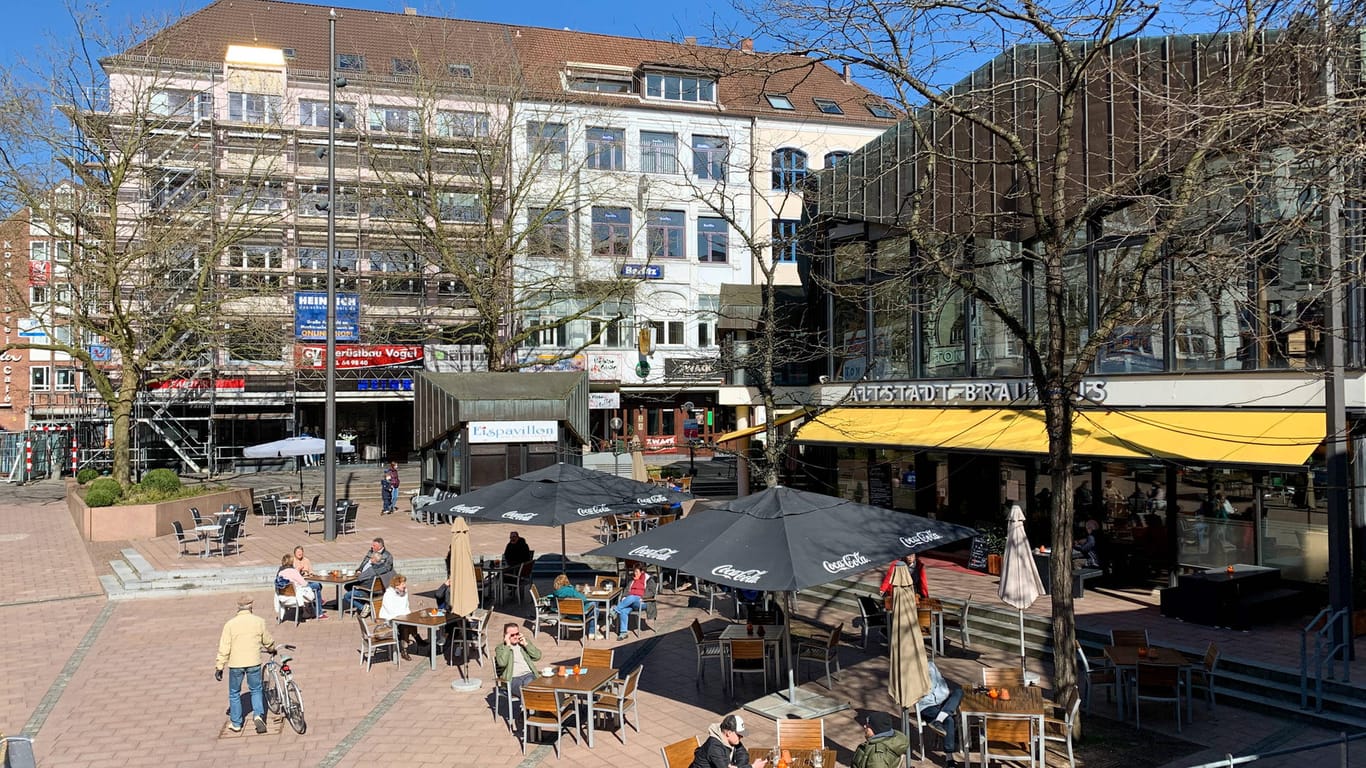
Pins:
x: 103, y: 492
x: 86, y: 475
x: 160, y: 480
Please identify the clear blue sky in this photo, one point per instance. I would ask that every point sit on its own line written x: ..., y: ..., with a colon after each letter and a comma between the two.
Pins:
x: 31, y: 23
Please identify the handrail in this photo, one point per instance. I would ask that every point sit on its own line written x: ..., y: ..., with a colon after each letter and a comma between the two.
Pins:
x: 1341, y: 742
x: 1329, y: 629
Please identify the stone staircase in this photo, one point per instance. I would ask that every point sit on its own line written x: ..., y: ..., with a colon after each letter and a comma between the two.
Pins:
x: 1246, y: 685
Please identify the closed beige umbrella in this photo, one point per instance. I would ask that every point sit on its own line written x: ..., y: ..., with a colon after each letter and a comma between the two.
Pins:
x: 908, y: 679
x: 464, y: 590
x: 1020, y: 585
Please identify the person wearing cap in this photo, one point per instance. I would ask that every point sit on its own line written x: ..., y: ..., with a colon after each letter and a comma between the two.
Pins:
x: 723, y: 747
x: 939, y: 707
x: 239, y: 649
x: 883, y: 745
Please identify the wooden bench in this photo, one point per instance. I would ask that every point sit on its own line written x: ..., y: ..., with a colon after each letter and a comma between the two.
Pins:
x: 1079, y: 578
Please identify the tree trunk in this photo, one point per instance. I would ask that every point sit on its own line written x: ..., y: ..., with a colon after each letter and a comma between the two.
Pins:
x: 1058, y: 418
x: 121, y: 442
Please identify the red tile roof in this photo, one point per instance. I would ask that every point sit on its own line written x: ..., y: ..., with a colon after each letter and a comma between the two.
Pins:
x: 498, y: 53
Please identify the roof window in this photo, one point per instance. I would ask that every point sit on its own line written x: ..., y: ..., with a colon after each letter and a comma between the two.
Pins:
x: 778, y: 101
x: 828, y: 106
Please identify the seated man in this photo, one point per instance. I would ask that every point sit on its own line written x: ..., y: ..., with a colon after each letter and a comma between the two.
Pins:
x: 377, y: 562
x: 940, y: 706
x: 724, y: 747
x: 883, y: 745
x: 514, y: 660
x: 517, y: 551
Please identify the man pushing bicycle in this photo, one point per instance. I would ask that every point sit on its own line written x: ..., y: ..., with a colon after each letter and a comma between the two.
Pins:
x: 239, y: 649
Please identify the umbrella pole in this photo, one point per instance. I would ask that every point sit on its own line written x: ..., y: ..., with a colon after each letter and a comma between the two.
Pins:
x: 564, y: 559
x: 1022, y: 645
x: 791, y: 660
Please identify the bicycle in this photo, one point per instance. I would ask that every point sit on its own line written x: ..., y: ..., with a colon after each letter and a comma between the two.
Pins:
x: 282, y: 694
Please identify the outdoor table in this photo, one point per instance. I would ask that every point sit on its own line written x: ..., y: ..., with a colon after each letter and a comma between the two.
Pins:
x: 431, y: 619
x: 801, y: 758
x: 586, y: 685
x: 1023, y: 702
x: 774, y: 635
x: 493, y: 571
x: 604, y: 599
x: 291, y: 505
x: 1125, y: 658
x: 341, y: 579
x: 204, y: 532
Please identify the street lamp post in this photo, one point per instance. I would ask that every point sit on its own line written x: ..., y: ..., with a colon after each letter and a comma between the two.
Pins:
x: 330, y: 393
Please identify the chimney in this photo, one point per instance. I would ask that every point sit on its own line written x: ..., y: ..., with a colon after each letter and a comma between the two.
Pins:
x: 409, y: 11
x: 690, y: 40
x: 747, y: 45
x: 848, y: 75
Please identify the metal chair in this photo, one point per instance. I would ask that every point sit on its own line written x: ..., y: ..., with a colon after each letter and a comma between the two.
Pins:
x: 708, y: 649
x: 1058, y: 729
x: 680, y: 753
x: 513, y: 580
x: 823, y: 650
x: 180, y: 537
x: 801, y: 734
x: 921, y: 724
x: 596, y: 658
x: 348, y: 521
x: 617, y: 702
x: 872, y: 617
x: 571, y: 616
x: 502, y: 689
x: 227, y: 537
x: 287, y: 598
x: 1156, y: 682
x: 747, y: 657
x: 1203, y: 676
x: 372, y: 594
x: 373, y: 638
x: 1102, y: 675
x: 1129, y: 637
x: 959, y: 620
x: 543, y: 709
x: 1008, y: 739
x: 544, y: 613
x: 476, y: 633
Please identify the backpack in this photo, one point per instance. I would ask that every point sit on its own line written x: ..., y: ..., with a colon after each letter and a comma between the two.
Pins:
x: 280, y: 583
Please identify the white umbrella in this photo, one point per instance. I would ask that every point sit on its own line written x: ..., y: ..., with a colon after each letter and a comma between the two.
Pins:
x: 294, y: 446
x: 1020, y: 584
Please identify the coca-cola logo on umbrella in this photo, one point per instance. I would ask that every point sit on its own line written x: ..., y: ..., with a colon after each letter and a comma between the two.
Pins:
x: 596, y: 509
x: 521, y: 516
x: 729, y: 571
x: 920, y: 539
x: 663, y: 553
x: 849, y: 561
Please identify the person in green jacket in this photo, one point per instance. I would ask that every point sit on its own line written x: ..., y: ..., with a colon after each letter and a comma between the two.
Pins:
x: 884, y: 745
x: 515, y: 658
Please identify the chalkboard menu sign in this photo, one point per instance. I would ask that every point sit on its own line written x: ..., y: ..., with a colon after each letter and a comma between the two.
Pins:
x: 880, y: 485
x: 978, y: 558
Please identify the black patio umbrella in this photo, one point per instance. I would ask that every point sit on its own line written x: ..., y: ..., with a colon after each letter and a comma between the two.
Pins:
x: 785, y: 540
x: 558, y: 495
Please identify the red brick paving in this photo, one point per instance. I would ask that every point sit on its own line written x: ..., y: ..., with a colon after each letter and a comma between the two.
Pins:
x: 145, y: 694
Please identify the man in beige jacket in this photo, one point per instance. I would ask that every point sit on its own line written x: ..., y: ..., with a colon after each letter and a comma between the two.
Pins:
x: 239, y: 649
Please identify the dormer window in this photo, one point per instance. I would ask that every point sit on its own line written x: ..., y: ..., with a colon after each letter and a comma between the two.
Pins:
x: 350, y: 62
x: 460, y: 70
x: 599, y: 84
x: 696, y: 89
x: 404, y: 67
x: 828, y: 106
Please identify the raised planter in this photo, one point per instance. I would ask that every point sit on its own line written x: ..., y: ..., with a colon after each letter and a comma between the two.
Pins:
x: 144, y: 521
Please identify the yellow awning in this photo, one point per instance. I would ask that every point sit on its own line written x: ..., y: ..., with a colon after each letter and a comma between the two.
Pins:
x: 751, y: 431
x: 1281, y: 438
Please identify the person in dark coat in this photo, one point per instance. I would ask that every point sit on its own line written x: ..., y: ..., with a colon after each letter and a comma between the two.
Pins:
x: 723, y: 747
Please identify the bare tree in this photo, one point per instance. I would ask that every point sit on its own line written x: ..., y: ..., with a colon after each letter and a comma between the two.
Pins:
x: 145, y: 222
x: 1091, y: 149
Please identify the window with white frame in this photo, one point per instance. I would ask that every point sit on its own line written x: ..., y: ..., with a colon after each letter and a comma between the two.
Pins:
x: 606, y: 149
x: 392, y: 261
x: 600, y: 83
x: 172, y: 102
x: 709, y: 154
x: 40, y: 378
x: 459, y: 206
x: 37, y: 250
x: 313, y: 113
x: 668, y: 331
x: 253, y: 107
x: 713, y: 239
x: 544, y: 332
x: 547, y: 232
x: 68, y: 379
x: 658, y: 152
x: 785, y: 240
x: 611, y: 231
x: 465, y: 125
x: 351, y: 62
x: 402, y: 121
x: 833, y: 159
x: 548, y: 142
x: 789, y: 169
x: 665, y: 234
x: 708, y: 311
x: 254, y: 257
x: 61, y: 252
x: 678, y: 87
x: 39, y: 295
x: 263, y: 197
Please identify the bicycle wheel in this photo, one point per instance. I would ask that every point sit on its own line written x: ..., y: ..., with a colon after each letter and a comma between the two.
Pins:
x: 271, y: 688
x: 294, y: 707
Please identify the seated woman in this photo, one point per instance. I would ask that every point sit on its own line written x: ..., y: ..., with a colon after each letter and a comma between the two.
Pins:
x: 396, y: 604
x: 564, y: 589
x: 1084, y: 554
x: 303, y: 589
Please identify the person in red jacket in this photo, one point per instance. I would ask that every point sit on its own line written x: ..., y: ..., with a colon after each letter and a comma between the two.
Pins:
x: 922, y: 584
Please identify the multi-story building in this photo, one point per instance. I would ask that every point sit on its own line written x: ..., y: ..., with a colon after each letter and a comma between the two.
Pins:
x: 631, y: 178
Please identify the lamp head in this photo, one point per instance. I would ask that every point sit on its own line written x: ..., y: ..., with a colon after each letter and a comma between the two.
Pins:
x: 321, y: 152
x: 320, y: 206
x: 340, y: 82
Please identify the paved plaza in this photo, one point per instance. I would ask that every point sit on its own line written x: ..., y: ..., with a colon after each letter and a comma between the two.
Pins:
x: 129, y: 682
